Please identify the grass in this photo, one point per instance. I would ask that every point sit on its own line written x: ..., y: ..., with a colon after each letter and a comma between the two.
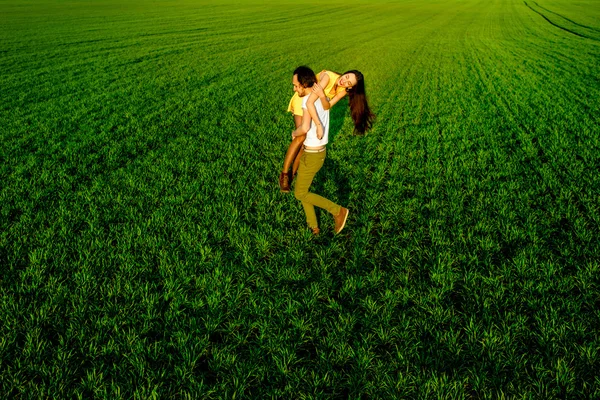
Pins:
x: 147, y: 252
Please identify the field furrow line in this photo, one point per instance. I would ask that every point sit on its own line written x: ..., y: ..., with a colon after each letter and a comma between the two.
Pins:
x: 568, y: 19
x: 560, y: 26
x: 533, y: 136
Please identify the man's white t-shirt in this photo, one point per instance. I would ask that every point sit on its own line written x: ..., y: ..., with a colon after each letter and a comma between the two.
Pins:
x: 311, y: 136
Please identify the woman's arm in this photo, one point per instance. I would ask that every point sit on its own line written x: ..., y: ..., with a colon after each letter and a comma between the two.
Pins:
x: 327, y: 104
x: 312, y: 110
x: 324, y: 79
x: 318, y: 93
x: 337, y: 98
x: 310, y: 105
x: 319, y: 89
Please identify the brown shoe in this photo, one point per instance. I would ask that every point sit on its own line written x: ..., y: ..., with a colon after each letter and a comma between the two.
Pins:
x: 315, y: 230
x: 284, y: 182
x: 340, y: 219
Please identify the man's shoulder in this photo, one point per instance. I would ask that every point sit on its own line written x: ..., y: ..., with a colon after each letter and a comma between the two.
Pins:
x: 304, y: 100
x: 317, y: 101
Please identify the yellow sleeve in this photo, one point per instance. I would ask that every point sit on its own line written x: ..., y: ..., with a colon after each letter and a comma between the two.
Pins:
x: 295, y: 106
x: 332, y: 79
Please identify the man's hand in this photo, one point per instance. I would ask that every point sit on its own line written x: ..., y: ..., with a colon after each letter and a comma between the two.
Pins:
x: 297, y: 132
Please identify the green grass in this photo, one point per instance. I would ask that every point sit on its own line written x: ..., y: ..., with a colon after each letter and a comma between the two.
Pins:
x: 147, y: 252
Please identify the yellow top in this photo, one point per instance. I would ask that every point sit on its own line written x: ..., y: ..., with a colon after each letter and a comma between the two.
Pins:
x: 295, y: 106
x: 329, y: 90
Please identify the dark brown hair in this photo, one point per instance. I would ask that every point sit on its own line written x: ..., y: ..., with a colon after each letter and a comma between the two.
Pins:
x: 359, y: 107
x: 306, y: 76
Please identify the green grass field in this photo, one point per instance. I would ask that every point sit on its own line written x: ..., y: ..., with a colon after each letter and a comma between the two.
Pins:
x: 146, y: 251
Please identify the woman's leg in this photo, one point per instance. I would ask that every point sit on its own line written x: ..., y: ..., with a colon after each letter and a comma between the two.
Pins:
x: 295, y: 148
x: 297, y: 122
x: 297, y: 162
x: 292, y: 152
x: 285, y: 177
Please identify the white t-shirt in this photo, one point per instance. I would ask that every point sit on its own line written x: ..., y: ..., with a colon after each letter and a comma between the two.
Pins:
x: 311, y: 136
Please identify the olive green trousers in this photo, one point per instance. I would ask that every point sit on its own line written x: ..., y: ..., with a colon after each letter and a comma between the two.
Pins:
x: 310, y: 164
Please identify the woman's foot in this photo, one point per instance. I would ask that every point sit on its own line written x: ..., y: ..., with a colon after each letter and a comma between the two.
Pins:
x: 284, y: 182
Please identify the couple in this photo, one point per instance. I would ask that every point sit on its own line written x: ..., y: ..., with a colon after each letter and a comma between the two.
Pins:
x: 310, y: 106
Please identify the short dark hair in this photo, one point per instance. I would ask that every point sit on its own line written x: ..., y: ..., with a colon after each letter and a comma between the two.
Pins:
x: 306, y: 76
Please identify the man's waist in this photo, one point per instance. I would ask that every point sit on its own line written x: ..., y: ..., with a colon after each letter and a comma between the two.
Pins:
x: 314, y: 149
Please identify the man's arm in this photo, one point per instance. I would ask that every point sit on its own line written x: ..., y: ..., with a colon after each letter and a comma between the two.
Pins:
x: 304, y: 126
x: 297, y: 120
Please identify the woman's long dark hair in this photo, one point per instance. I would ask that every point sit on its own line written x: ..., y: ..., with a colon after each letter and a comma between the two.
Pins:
x: 359, y: 108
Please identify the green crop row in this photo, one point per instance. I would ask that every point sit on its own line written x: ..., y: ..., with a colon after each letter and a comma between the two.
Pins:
x: 147, y: 252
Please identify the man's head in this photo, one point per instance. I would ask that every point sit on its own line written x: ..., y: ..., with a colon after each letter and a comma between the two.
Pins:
x: 303, y: 80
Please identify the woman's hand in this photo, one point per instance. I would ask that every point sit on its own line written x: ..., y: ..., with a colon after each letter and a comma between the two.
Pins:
x: 318, y: 90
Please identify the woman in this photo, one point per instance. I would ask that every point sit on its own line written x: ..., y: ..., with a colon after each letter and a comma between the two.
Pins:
x: 332, y: 87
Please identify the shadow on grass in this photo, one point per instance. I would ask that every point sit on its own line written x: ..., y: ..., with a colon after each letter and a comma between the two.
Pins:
x: 331, y: 174
x: 336, y: 118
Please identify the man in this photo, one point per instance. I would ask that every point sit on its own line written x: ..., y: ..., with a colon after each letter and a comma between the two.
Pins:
x: 313, y: 157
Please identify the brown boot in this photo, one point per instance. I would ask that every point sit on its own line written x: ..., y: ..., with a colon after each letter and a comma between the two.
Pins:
x: 340, y: 219
x: 315, y: 231
x: 284, y: 182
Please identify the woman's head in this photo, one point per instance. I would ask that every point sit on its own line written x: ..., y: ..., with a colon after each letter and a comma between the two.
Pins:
x: 348, y: 80
x: 357, y: 98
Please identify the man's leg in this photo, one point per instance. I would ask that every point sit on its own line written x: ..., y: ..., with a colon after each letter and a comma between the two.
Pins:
x: 310, y: 164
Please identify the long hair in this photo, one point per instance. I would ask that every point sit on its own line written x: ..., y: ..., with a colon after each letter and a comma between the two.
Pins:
x: 359, y: 108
